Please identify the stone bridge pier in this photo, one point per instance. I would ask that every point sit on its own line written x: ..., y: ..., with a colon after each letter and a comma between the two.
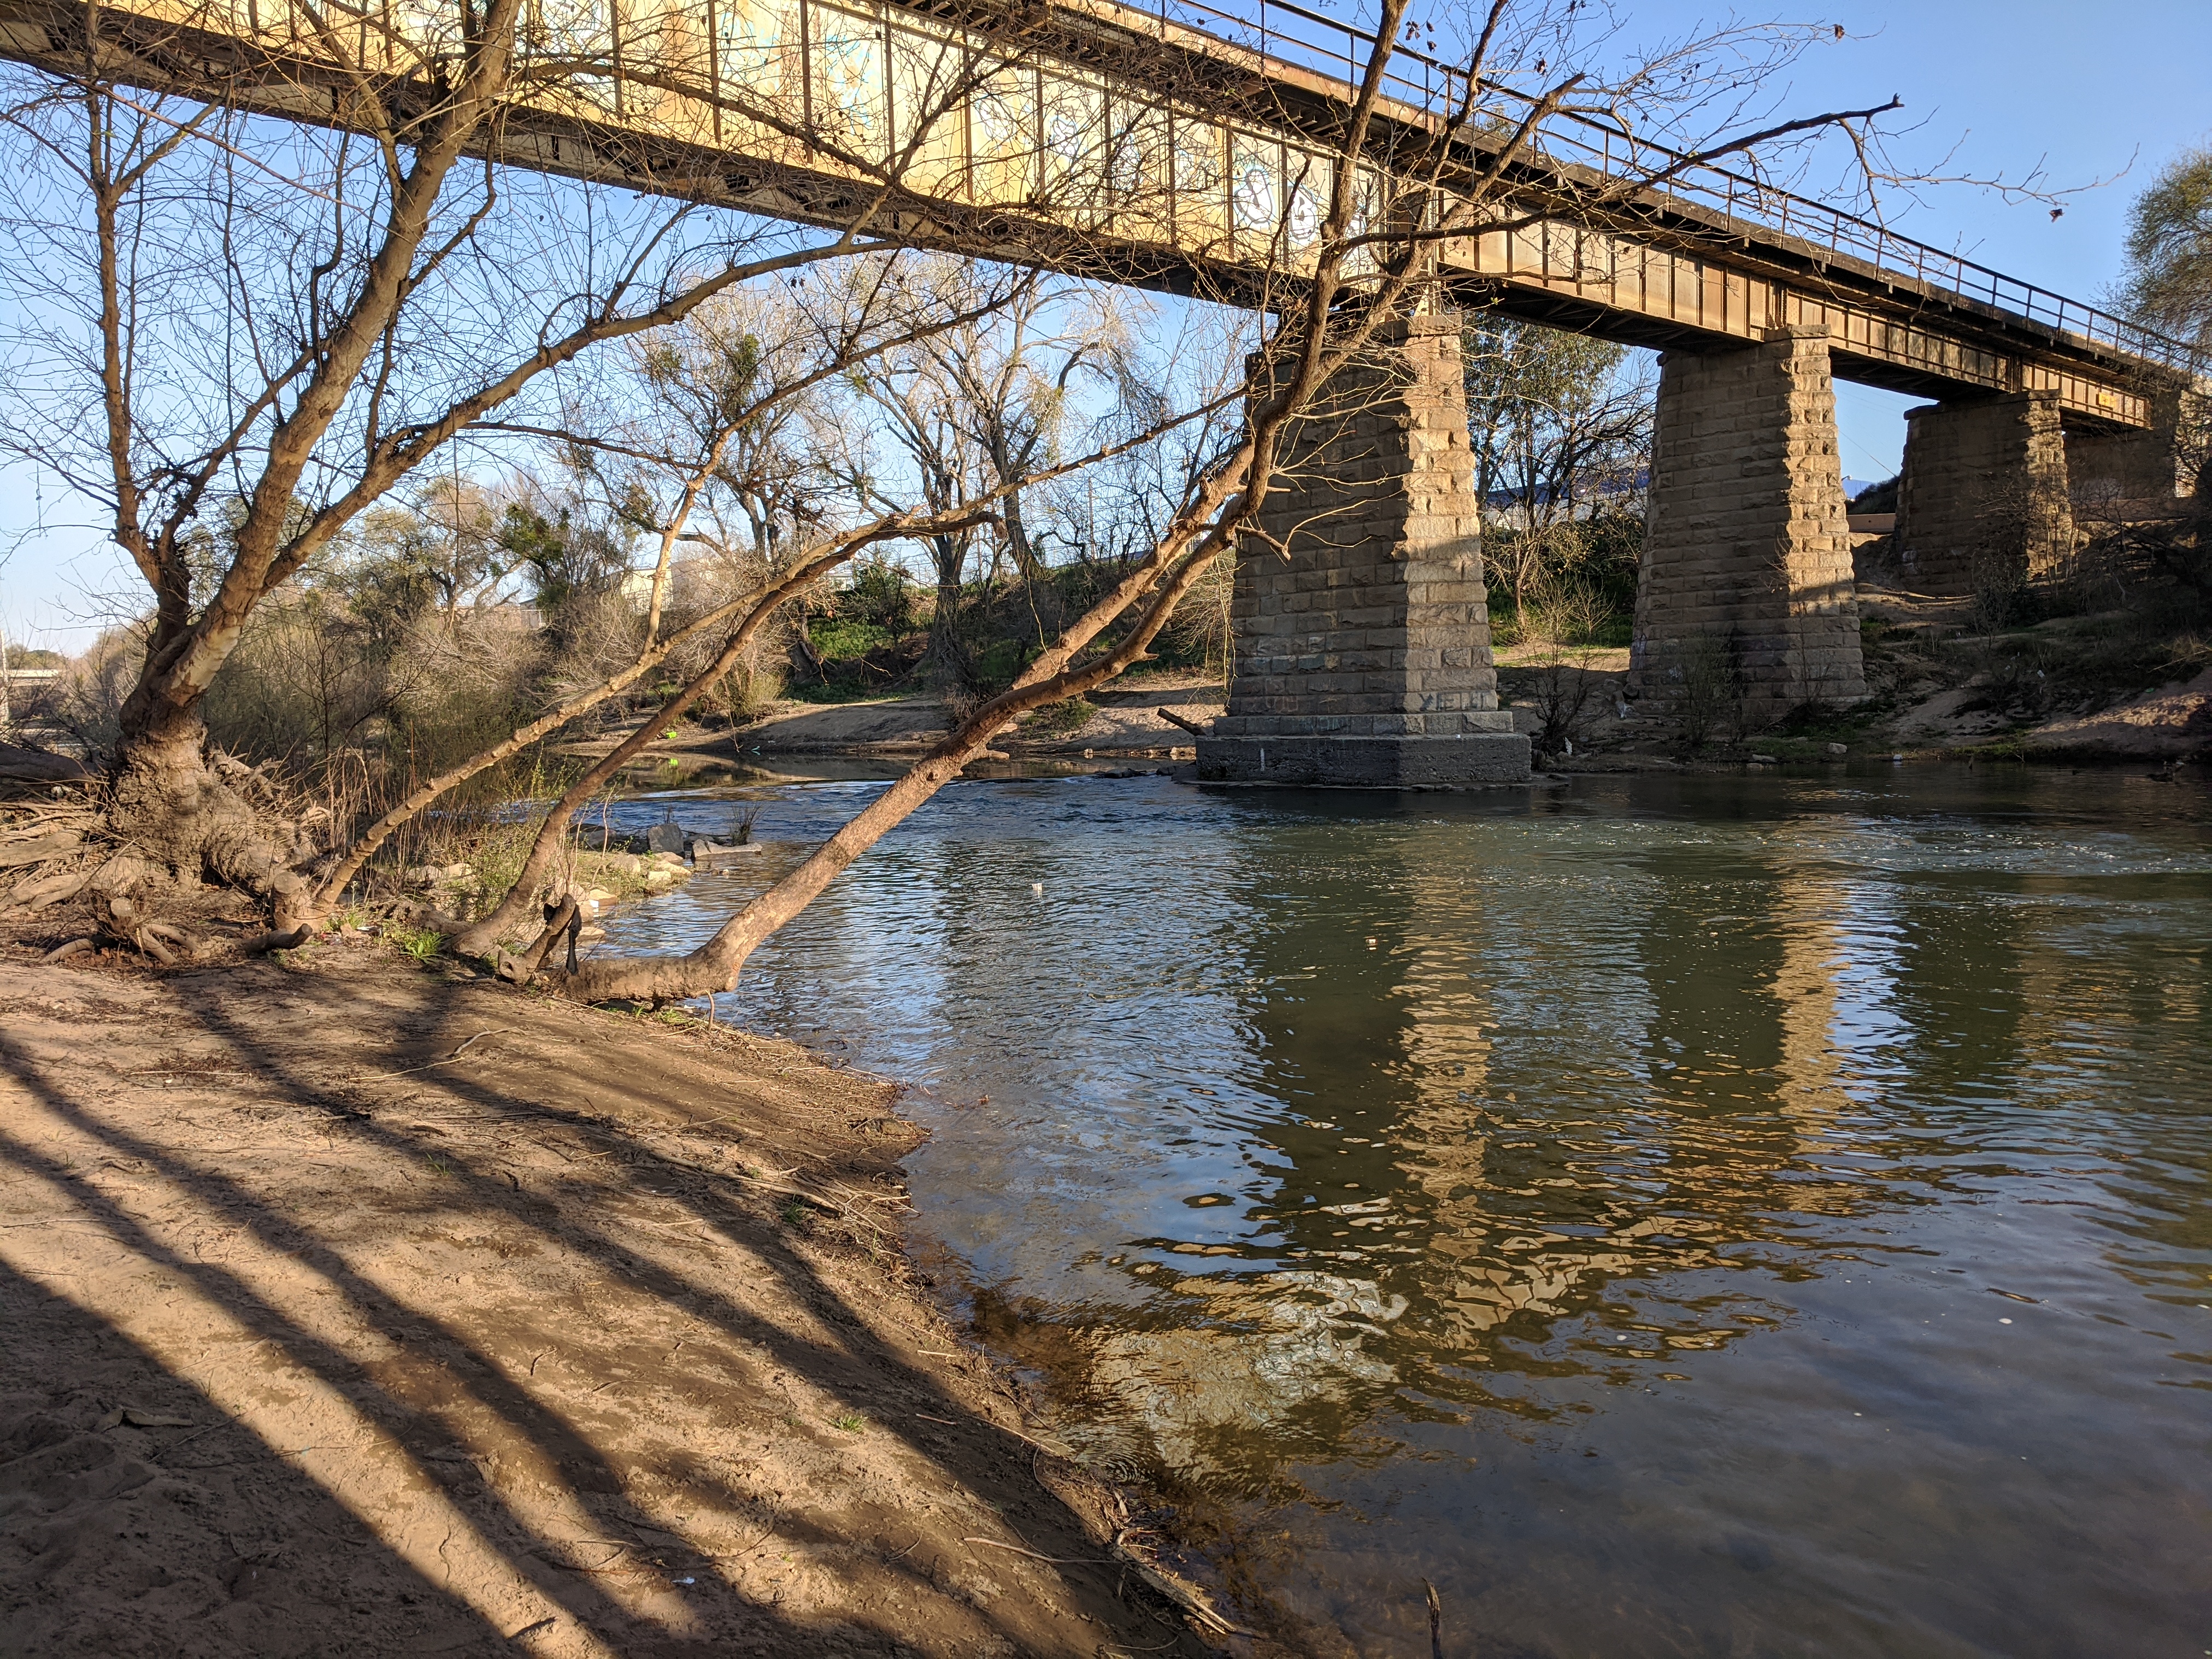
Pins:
x: 1745, y: 607
x: 1984, y: 496
x: 1996, y: 489
x: 1360, y: 610
x: 1361, y: 617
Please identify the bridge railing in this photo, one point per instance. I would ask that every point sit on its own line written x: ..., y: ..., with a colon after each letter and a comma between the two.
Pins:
x: 1285, y: 32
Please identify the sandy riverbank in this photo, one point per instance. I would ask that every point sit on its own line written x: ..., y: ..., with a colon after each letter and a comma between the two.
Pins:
x: 351, y: 1310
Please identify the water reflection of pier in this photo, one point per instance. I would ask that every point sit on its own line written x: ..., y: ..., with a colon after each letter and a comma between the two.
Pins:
x: 1507, y: 1097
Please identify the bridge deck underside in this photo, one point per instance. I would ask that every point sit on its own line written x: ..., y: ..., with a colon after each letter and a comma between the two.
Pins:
x: 1640, y: 295
x: 782, y: 107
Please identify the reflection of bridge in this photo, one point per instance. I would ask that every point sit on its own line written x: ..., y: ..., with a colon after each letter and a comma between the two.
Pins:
x: 1114, y: 143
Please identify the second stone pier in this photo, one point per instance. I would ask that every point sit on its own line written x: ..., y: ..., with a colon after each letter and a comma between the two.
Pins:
x: 1361, y: 619
x: 1984, y: 496
x: 1746, y: 608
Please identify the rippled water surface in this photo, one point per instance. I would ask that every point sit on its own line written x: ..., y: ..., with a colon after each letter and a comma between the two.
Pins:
x: 1676, y: 1216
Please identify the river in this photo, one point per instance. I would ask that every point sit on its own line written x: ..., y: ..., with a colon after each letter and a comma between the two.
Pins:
x: 1673, y: 1214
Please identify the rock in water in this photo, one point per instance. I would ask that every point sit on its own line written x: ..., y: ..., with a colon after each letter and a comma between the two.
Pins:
x: 666, y: 838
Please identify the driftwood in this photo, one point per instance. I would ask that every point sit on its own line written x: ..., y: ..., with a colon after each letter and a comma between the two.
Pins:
x: 25, y: 764
x: 1185, y: 1596
x: 1191, y: 726
x: 280, y: 939
x: 717, y: 855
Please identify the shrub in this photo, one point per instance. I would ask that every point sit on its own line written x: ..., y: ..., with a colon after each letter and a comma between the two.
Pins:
x: 1712, y: 685
x: 878, y: 597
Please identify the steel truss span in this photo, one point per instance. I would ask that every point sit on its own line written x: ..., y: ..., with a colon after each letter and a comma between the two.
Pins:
x: 1184, y: 148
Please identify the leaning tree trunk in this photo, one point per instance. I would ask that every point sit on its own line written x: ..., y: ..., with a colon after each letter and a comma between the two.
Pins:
x: 715, y: 966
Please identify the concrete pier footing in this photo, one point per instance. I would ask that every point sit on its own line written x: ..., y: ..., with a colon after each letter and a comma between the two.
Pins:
x: 1362, y: 619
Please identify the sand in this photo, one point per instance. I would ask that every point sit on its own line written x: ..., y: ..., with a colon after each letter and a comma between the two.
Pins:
x: 348, y: 1309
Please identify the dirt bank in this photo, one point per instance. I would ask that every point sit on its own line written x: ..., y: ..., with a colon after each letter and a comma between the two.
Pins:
x: 350, y: 1310
x: 1122, y: 722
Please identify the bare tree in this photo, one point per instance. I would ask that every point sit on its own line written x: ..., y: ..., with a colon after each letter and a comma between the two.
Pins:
x: 935, y: 448
x: 976, y: 410
x: 217, y: 311
x: 1014, y: 383
x: 420, y: 294
x: 1567, y: 692
x: 1560, y: 423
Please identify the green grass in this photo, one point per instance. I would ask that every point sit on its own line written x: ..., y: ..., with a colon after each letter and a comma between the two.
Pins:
x: 851, y: 1422
x: 837, y: 691
x: 1617, y: 631
x: 421, y: 943
x: 1057, y: 720
x: 835, y: 639
x: 501, y: 851
x: 997, y: 664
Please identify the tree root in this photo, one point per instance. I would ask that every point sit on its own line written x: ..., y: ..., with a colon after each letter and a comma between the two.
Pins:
x: 33, y: 897
x: 190, y: 816
x: 562, y: 920
x: 276, y: 939
x: 163, y: 941
x: 141, y: 860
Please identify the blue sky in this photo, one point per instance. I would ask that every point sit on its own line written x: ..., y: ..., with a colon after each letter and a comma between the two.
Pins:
x: 2087, y: 91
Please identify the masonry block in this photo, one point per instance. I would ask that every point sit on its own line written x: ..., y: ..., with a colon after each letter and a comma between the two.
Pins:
x: 2113, y: 473
x: 1984, y: 493
x: 1391, y: 683
x: 1746, y: 569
